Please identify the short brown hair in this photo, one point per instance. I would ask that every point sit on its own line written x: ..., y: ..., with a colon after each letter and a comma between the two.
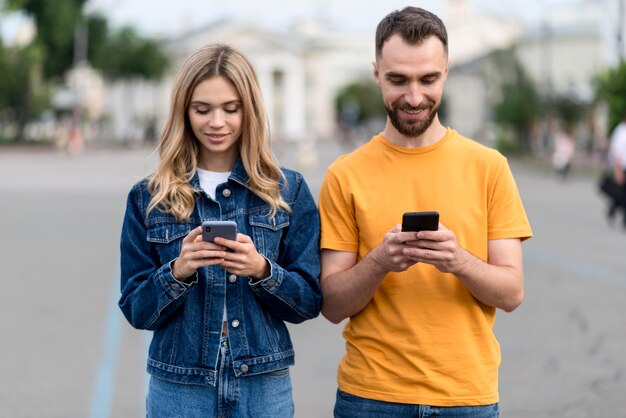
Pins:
x: 413, y: 24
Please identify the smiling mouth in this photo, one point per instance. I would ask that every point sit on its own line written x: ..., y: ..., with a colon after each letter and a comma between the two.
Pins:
x: 413, y: 112
x: 216, y: 137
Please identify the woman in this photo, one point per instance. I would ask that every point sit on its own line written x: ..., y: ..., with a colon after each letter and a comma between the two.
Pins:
x: 220, y: 345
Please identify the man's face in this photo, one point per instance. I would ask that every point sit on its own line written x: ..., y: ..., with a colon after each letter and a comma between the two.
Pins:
x: 411, y: 78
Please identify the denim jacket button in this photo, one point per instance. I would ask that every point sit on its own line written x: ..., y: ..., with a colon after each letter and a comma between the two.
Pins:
x: 226, y: 193
x: 271, y: 282
x: 175, y: 287
x: 235, y: 323
x: 244, y: 368
x: 232, y: 278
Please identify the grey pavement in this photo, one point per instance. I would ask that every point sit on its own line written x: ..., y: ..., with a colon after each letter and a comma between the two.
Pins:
x: 67, y: 352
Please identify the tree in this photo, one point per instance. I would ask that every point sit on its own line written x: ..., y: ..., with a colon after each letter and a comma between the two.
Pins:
x: 55, y: 22
x: 567, y: 110
x: 23, y: 93
x: 358, y: 103
x: 124, y: 54
x: 611, y: 88
x: 117, y: 54
x: 519, y: 105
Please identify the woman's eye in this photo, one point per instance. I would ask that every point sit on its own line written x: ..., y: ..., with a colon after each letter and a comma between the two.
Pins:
x: 231, y: 109
x: 201, y: 110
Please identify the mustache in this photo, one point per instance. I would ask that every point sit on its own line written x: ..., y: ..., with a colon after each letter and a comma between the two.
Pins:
x: 422, y: 106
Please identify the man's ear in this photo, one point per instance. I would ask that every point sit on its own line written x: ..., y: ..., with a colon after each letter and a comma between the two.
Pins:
x: 376, y: 73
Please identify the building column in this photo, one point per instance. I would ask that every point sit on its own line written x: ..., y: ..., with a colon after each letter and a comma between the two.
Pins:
x: 294, y: 125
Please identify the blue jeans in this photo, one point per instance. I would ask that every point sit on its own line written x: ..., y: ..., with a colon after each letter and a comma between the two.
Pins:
x: 266, y: 395
x: 350, y: 406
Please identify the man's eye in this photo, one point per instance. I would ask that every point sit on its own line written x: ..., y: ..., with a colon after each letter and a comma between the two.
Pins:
x: 396, y: 81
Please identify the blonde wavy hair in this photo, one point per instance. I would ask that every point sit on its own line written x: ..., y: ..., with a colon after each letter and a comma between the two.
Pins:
x: 178, y: 148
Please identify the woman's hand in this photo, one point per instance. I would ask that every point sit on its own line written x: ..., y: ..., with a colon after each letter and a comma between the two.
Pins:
x: 244, y: 260
x: 196, y: 253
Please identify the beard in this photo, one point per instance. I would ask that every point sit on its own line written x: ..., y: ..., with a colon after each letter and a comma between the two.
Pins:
x: 412, y: 128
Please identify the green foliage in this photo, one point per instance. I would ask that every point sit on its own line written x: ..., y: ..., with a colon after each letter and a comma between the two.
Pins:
x: 507, y: 146
x: 567, y: 110
x: 520, y: 105
x: 28, y: 71
x: 20, y: 68
x: 55, y: 22
x: 124, y: 54
x: 23, y: 92
x: 611, y: 88
x: 359, y: 102
x: 119, y: 54
x: 97, y: 34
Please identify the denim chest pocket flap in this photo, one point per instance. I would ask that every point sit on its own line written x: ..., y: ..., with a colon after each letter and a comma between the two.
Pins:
x: 267, y: 232
x: 167, y: 231
x: 279, y: 221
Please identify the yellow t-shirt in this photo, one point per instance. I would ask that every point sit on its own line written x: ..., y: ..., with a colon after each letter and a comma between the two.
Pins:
x: 423, y: 338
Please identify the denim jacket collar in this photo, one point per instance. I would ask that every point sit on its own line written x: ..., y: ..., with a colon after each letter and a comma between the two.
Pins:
x: 237, y: 174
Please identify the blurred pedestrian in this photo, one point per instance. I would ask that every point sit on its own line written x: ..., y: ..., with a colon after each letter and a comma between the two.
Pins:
x: 617, y: 166
x: 218, y: 310
x: 564, y: 150
x: 421, y: 305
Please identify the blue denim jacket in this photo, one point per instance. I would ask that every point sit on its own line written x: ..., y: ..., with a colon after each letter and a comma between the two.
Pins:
x: 187, y: 317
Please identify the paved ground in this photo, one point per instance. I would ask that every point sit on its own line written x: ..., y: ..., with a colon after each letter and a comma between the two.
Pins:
x: 67, y: 352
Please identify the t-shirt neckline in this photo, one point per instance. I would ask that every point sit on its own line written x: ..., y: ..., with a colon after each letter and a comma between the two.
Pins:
x: 418, y: 150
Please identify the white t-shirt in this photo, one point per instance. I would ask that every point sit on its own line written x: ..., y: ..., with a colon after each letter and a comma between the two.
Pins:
x: 618, y: 144
x: 209, y: 180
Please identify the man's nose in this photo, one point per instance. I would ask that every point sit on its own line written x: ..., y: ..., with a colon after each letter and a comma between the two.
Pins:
x: 413, y: 96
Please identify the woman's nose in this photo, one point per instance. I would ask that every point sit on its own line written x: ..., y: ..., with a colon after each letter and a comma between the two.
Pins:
x: 216, y: 119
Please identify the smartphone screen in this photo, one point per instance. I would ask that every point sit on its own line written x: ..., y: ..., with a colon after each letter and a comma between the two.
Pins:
x: 420, y: 221
x: 224, y: 229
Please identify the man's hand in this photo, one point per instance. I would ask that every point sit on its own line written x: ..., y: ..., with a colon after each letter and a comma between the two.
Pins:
x: 390, y: 255
x: 439, y: 248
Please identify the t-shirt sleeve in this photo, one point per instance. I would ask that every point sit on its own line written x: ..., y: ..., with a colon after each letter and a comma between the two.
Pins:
x: 339, y: 231
x: 507, y: 217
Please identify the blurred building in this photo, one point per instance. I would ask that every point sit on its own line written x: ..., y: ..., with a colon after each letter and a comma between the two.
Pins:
x: 470, y: 87
x: 302, y: 69
x: 562, y: 53
x: 566, y: 50
x: 300, y: 72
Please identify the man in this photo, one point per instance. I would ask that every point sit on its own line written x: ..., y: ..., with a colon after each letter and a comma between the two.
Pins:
x: 421, y: 304
x: 617, y: 162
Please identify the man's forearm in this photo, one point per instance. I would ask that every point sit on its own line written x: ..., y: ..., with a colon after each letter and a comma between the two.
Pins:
x: 348, y: 292
x: 500, y: 286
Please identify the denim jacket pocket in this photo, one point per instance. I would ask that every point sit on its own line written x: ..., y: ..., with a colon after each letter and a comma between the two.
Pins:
x: 267, y: 232
x: 170, y: 234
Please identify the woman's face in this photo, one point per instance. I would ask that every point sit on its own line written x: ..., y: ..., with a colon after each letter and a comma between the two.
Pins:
x: 216, y: 116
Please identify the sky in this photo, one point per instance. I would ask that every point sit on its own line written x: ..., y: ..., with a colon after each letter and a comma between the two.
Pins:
x: 163, y: 18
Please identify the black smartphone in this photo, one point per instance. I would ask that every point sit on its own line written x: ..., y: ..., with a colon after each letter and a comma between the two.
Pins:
x: 420, y: 221
x: 224, y: 229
